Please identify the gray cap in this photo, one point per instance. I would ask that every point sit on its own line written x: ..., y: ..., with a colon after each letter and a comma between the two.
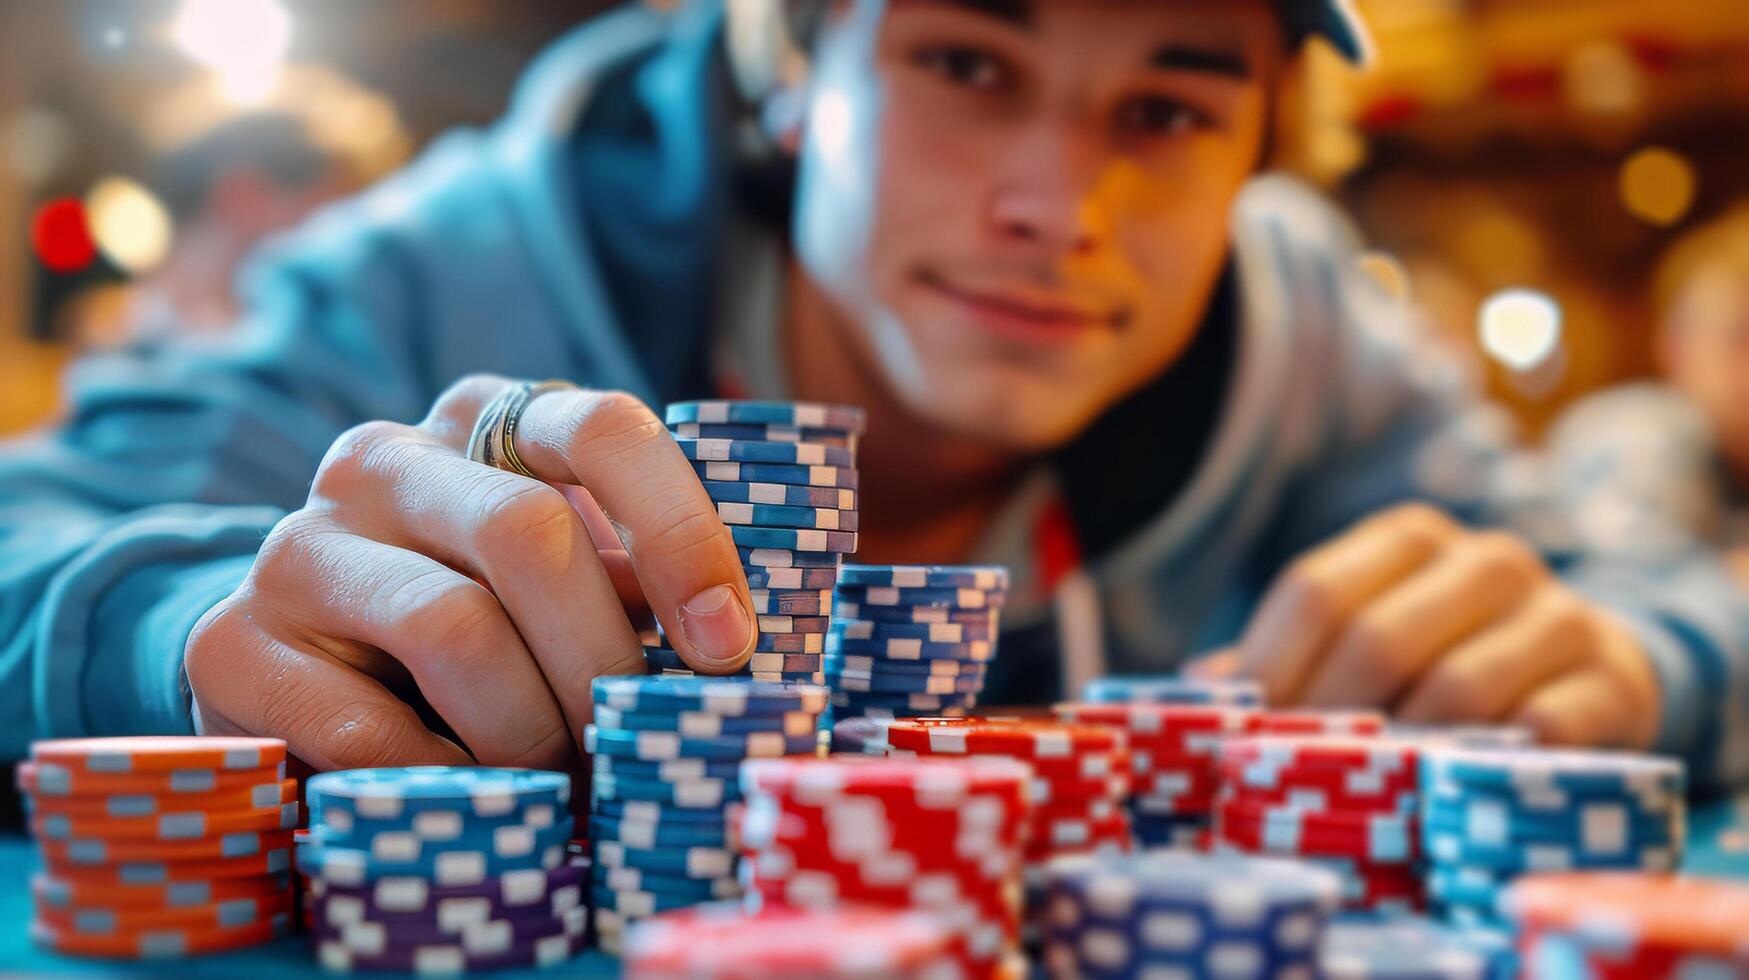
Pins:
x: 1333, y: 20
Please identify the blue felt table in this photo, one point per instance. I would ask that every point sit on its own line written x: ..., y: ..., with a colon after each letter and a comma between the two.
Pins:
x: 1718, y: 846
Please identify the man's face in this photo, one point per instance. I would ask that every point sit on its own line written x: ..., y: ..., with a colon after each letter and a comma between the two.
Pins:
x: 1021, y: 206
x: 1706, y: 349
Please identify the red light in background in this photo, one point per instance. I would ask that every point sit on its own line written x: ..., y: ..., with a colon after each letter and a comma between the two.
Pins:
x: 61, y: 236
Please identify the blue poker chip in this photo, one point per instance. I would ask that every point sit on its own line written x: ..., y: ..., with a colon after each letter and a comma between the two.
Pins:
x: 666, y: 658
x: 864, y: 664
x: 844, y: 607
x: 1172, y: 690
x: 793, y: 539
x: 637, y: 879
x: 1400, y: 948
x: 1554, y: 771
x: 640, y: 903
x: 893, y: 597
x: 704, y: 724
x: 685, y: 862
x: 1592, y: 824
x: 790, y: 578
x: 722, y: 696
x: 907, y: 683
x: 1444, y: 848
x: 783, y: 494
x: 635, y: 833
x: 652, y: 746
x: 837, y: 477
x: 791, y: 602
x: 434, y: 828
x: 442, y: 866
x: 685, y: 794
x: 777, y: 516
x: 767, y: 676
x: 750, y: 432
x: 867, y: 629
x: 395, y: 794
x: 749, y: 451
x: 840, y: 418
x: 990, y: 578
x: 1169, y: 830
x: 754, y: 558
x: 669, y: 769
x: 899, y: 649
x: 655, y: 814
x: 1478, y: 888
x: 861, y: 702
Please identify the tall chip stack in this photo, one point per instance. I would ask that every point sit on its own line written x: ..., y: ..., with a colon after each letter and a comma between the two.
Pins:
x: 1490, y: 815
x: 1629, y: 926
x: 910, y: 640
x: 1344, y: 802
x: 783, y: 477
x: 666, y: 756
x: 440, y: 869
x: 1172, y: 914
x: 943, y: 837
x: 725, y: 942
x: 160, y: 847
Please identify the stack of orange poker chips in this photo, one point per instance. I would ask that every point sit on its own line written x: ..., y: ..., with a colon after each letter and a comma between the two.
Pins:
x: 160, y: 846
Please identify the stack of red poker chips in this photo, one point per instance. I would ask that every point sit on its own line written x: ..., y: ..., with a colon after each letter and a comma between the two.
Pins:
x: 1347, y: 802
x: 1173, y: 751
x: 940, y: 836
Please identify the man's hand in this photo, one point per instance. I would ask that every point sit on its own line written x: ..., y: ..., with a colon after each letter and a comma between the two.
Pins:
x: 1412, y: 612
x: 414, y: 576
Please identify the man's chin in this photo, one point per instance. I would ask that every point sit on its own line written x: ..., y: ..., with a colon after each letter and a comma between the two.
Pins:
x: 1022, y: 416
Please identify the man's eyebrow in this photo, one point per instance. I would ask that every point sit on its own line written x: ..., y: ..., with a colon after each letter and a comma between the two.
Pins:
x: 1209, y: 61
x: 1015, y: 12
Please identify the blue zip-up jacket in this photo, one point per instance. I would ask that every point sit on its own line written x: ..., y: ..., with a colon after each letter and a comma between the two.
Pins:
x: 579, y: 238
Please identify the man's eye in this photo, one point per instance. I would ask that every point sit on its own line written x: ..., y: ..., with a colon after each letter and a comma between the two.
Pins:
x: 1158, y: 116
x: 963, y: 66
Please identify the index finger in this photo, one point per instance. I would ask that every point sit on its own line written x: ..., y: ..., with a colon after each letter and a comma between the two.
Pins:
x: 611, y: 444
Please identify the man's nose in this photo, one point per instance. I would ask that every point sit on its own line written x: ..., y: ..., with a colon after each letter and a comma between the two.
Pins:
x: 1048, y: 195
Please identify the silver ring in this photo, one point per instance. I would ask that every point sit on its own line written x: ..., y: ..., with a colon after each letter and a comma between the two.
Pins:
x: 493, y: 441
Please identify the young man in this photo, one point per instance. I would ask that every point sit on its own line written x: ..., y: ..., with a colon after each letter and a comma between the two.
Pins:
x: 1025, y: 236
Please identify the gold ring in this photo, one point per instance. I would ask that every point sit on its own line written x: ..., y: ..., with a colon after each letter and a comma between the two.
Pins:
x: 493, y: 441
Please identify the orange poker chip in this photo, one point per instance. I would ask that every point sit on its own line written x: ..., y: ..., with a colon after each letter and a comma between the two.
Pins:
x: 259, y: 796
x: 159, y: 753
x: 158, y: 943
x: 109, y: 919
x: 248, y: 843
x: 50, y: 779
x: 275, y: 861
x: 61, y: 893
x: 1021, y: 739
x: 1697, y: 915
x: 164, y: 826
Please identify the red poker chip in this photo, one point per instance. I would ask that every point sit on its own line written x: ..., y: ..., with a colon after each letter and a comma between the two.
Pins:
x: 1301, y: 840
x: 997, y: 909
x: 1334, y: 821
x: 1310, y: 751
x: 1093, y: 809
x: 1045, y: 791
x: 1019, y: 739
x: 1308, y: 722
x: 1324, y: 799
x: 1363, y: 785
x: 1089, y: 765
x: 1156, y: 720
x: 1670, y: 912
x: 916, y: 777
x: 731, y: 944
x: 933, y: 845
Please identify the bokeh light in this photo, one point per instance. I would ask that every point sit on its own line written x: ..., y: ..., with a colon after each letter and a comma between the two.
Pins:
x: 243, y: 42
x: 130, y: 225
x: 1658, y: 186
x: 61, y: 237
x: 1520, y: 328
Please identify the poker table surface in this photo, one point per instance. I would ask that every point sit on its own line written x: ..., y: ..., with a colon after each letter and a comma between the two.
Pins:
x: 1718, y: 847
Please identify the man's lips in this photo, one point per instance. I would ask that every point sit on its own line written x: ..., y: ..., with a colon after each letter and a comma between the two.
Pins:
x: 1024, y: 310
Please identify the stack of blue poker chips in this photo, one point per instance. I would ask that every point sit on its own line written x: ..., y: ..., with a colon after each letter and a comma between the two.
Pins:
x: 441, y: 869
x: 1170, y: 913
x: 666, y: 753
x: 783, y: 477
x: 909, y: 640
x: 1172, y: 690
x: 1490, y: 815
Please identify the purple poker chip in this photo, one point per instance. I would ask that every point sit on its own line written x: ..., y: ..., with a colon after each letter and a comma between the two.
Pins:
x: 374, y: 938
x: 530, y: 890
x: 336, y: 957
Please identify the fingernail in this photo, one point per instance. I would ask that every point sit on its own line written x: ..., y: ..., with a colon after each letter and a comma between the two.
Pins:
x: 717, y: 624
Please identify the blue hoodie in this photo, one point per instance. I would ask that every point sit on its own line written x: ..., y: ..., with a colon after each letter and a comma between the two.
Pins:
x: 582, y: 237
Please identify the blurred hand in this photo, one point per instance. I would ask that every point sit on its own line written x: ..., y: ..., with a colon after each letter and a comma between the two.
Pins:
x: 414, y: 576
x: 1739, y: 563
x: 1411, y: 612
